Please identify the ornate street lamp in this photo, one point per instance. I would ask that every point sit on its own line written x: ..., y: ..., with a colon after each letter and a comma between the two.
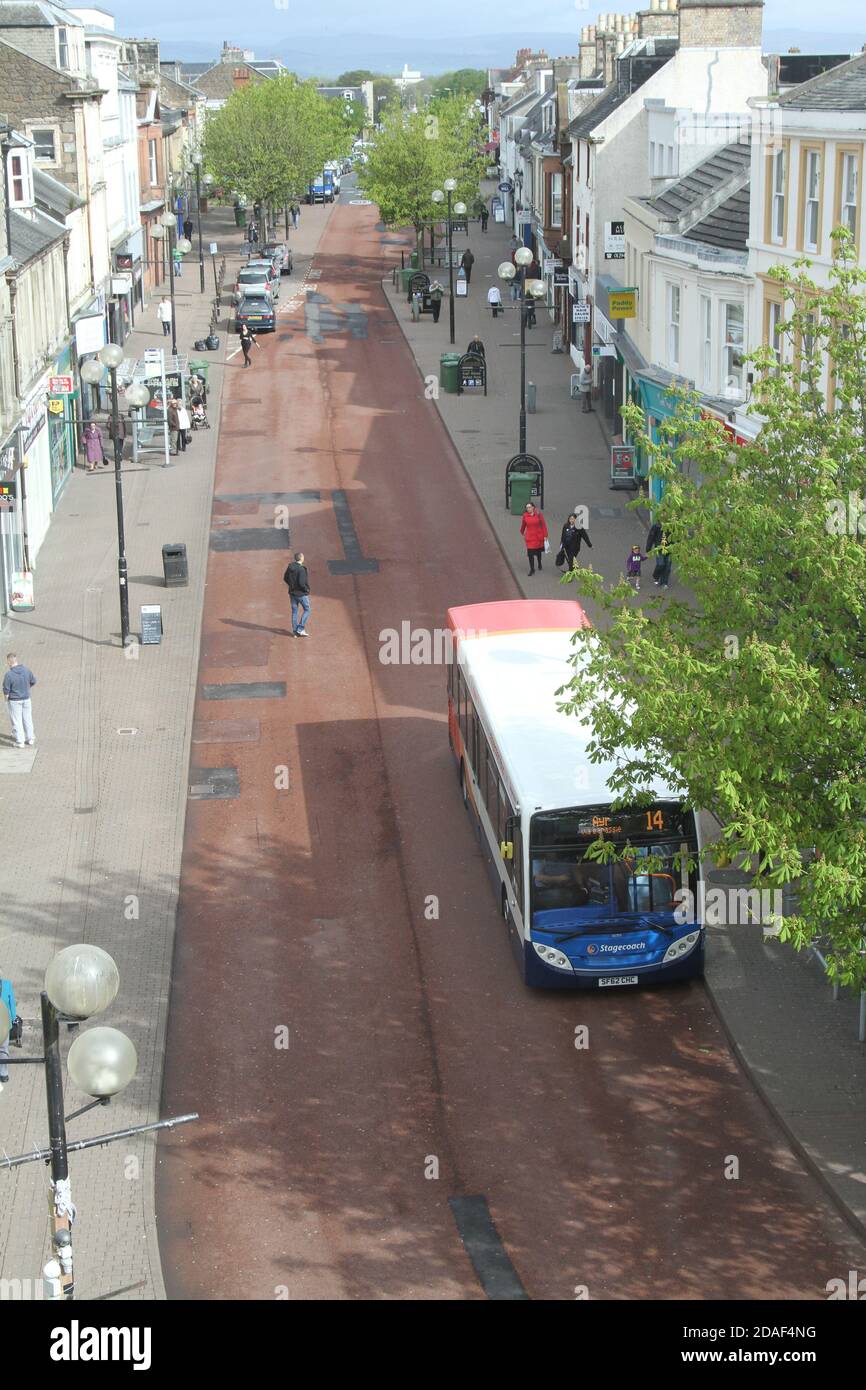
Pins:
x: 530, y: 290
x: 166, y: 229
x: 80, y: 982
x: 438, y: 197
x: 93, y: 371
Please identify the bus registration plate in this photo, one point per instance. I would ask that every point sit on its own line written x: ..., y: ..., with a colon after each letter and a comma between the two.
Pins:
x: 608, y: 980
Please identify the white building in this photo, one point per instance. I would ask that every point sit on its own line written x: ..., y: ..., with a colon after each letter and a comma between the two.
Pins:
x: 119, y: 134
x: 680, y: 90
x: 807, y: 183
x: 686, y: 253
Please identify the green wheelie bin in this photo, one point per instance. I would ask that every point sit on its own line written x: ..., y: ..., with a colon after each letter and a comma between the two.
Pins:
x: 449, y: 372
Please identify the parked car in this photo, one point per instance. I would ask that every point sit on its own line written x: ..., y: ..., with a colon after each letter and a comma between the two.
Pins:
x: 279, y: 251
x: 257, y: 278
x: 270, y: 264
x: 258, y: 311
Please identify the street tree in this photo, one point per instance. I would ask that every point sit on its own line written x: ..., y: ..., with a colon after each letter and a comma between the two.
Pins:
x: 414, y: 153
x: 750, y: 695
x: 465, y: 82
x: 271, y: 139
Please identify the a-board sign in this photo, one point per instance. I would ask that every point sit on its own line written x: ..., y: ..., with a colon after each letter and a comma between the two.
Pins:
x: 472, y: 370
x: 499, y: 214
x: 459, y: 224
x: 461, y: 286
x: 151, y: 624
x: 622, y: 465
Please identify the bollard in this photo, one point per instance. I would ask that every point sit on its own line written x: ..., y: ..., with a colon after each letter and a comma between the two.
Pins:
x: 530, y: 397
x: 416, y: 308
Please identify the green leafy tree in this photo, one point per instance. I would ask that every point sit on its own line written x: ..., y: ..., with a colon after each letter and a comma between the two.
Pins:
x: 753, y: 692
x: 271, y: 139
x: 355, y: 77
x: 465, y: 82
x: 413, y: 154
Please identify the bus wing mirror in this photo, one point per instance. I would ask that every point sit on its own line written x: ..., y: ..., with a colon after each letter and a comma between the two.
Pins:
x: 506, y: 849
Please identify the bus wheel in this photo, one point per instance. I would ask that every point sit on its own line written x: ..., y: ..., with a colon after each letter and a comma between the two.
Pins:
x: 503, y: 905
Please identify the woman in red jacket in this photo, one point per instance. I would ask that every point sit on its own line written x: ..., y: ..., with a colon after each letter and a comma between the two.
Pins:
x: 533, y: 529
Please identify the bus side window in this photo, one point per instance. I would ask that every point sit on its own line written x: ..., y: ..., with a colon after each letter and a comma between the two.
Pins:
x: 475, y: 737
x: 462, y: 695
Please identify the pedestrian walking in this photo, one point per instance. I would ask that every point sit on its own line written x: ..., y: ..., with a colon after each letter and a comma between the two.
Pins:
x: 514, y: 245
x: 298, y: 582
x: 657, y: 541
x: 476, y: 348
x: 533, y: 529
x: 164, y: 314
x: 93, y: 450
x: 17, y: 683
x: 436, y: 292
x: 484, y: 217
x: 7, y: 995
x: 178, y: 264
x: 173, y: 413
x: 634, y: 560
x: 584, y: 386
x: 570, y: 542
x: 467, y: 261
x: 248, y: 341
x: 187, y: 228
x: 296, y: 216
x: 117, y: 435
x: 252, y: 234
x: 494, y: 299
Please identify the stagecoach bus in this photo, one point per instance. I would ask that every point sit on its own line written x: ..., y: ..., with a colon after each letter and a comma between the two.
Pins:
x: 537, y: 803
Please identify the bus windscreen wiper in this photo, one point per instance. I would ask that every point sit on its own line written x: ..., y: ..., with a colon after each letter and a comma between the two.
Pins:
x: 610, y: 924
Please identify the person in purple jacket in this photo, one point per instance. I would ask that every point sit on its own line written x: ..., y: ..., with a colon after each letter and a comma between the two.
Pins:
x: 633, y: 564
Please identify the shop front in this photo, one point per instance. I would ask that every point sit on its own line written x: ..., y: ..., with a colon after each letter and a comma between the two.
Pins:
x: 11, y: 519
x: 63, y: 408
x: 658, y: 405
x: 35, y: 474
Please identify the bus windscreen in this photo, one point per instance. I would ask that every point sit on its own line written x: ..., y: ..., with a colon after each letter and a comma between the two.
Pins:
x: 571, y: 891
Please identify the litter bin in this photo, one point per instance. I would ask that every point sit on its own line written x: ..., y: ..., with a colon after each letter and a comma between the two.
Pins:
x: 174, y: 565
x: 413, y: 260
x: 449, y: 372
x: 530, y: 397
x: 405, y: 276
x: 522, y: 491
x: 240, y: 216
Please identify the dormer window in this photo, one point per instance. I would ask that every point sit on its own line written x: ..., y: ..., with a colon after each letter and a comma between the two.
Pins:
x: 62, y: 48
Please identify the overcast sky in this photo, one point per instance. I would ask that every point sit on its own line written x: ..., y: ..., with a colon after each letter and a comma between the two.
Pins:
x: 278, y: 24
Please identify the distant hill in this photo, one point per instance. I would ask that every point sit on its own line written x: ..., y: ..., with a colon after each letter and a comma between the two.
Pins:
x: 328, y: 55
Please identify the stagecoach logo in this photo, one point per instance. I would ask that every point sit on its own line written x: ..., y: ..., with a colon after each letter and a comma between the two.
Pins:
x: 592, y: 949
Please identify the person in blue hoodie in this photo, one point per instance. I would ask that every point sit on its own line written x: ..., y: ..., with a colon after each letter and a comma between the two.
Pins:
x: 17, y: 683
x: 7, y: 994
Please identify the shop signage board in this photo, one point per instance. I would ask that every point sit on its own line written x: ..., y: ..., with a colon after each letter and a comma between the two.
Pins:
x: 21, y: 599
x: 580, y: 313
x: 90, y: 333
x: 60, y: 386
x: 151, y: 624
x: 7, y: 497
x: 614, y: 241
x: 551, y: 263
x: 505, y: 187
x: 603, y: 351
x: 622, y: 304
x: 560, y: 278
x: 622, y: 466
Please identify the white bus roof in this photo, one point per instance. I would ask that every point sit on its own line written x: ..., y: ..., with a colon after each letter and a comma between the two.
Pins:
x: 514, y: 676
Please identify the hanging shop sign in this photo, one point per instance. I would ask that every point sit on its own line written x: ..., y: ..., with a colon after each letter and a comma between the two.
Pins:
x: 581, y: 312
x: 60, y: 386
x: 622, y: 304
x: 614, y: 241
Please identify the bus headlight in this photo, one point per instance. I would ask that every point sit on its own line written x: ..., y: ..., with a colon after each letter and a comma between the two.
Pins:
x: 680, y: 948
x: 551, y: 956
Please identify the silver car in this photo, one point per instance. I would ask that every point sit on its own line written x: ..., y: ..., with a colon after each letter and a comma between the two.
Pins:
x: 256, y: 280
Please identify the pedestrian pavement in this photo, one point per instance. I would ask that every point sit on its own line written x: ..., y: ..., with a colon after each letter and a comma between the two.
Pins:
x: 797, y: 1044
x: 95, y: 817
